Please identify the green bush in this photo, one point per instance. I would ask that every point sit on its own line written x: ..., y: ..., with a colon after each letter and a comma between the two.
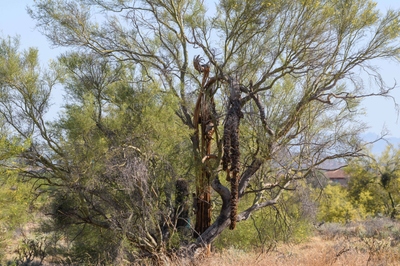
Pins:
x: 16, y: 209
x: 288, y: 221
x: 335, y: 206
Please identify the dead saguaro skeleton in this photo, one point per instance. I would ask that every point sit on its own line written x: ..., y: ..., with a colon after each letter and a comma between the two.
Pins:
x: 204, y: 115
x: 231, y: 156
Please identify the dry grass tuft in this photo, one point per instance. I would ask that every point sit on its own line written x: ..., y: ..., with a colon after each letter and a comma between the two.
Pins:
x: 315, y: 252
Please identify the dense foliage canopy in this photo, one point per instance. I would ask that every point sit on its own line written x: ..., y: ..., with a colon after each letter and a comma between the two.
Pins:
x: 167, y: 99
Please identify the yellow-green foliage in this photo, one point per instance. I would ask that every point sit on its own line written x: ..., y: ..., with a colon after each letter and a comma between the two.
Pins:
x: 15, y: 212
x: 243, y: 237
x: 335, y: 206
x: 15, y: 196
x: 284, y: 222
x: 127, y: 131
x: 375, y: 182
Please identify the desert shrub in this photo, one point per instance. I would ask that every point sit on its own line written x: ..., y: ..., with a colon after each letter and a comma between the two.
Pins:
x: 377, y: 228
x: 92, y: 245
x: 80, y: 244
x: 375, y: 182
x: 288, y: 221
x: 17, y: 210
x: 243, y: 237
x: 335, y: 207
x: 381, y: 228
x: 31, y: 251
x: 331, y: 230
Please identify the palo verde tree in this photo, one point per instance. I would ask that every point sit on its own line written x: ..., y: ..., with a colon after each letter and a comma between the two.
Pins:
x: 273, y: 94
x: 95, y: 162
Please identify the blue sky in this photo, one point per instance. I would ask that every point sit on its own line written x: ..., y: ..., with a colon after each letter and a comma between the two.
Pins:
x: 14, y: 20
x: 380, y: 113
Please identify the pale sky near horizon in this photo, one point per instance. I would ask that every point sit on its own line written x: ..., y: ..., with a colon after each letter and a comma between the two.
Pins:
x: 14, y: 21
